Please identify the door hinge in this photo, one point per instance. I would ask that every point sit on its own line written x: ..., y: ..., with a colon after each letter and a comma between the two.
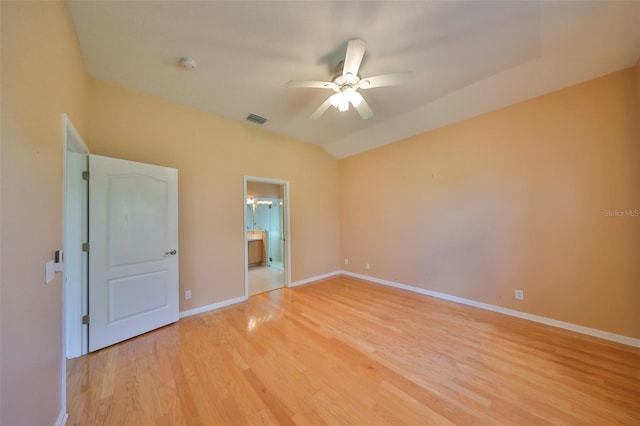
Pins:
x: 85, y: 175
x: 85, y: 247
x: 85, y: 319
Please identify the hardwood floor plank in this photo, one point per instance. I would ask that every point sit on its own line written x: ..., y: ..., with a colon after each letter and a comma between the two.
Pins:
x: 345, y: 351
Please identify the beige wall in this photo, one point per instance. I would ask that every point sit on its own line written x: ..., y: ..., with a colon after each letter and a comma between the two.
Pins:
x: 43, y: 75
x: 212, y: 155
x: 637, y: 84
x: 513, y: 199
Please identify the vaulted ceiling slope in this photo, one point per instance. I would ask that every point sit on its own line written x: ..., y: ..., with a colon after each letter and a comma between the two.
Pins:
x: 468, y: 58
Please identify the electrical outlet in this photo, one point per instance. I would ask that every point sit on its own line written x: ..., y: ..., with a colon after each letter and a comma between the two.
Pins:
x: 187, y: 294
x: 346, y: 261
x: 520, y: 294
x: 367, y: 266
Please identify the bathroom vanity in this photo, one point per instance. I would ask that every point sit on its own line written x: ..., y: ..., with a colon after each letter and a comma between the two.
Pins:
x: 256, y: 248
x: 256, y: 251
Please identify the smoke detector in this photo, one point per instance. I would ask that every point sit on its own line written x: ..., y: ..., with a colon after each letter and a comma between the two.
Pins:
x: 188, y: 64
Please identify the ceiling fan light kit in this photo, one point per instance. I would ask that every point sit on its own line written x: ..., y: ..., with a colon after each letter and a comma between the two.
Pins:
x: 347, y: 83
x: 342, y: 99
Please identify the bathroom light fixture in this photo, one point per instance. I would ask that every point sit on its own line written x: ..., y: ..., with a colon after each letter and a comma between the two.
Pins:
x: 258, y: 202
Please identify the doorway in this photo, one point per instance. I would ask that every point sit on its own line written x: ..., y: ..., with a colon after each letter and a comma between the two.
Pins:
x: 266, y: 215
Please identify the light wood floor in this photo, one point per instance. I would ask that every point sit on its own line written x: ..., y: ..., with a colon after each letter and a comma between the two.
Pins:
x: 347, y: 352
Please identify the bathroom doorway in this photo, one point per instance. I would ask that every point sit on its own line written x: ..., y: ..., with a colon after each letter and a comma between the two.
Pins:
x: 266, y: 230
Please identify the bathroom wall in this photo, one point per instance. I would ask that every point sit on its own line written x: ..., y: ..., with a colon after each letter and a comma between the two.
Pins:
x: 269, y: 218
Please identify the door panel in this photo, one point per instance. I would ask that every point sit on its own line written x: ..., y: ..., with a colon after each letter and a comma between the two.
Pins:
x: 133, y: 228
x: 140, y: 294
x: 137, y: 219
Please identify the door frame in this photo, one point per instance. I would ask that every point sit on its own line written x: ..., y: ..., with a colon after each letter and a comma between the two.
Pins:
x: 286, y: 230
x: 75, y: 217
x: 71, y: 295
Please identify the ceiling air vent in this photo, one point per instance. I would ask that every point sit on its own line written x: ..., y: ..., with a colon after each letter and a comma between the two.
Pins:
x: 256, y: 119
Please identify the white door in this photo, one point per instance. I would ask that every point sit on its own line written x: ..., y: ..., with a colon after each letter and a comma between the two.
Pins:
x: 133, y: 259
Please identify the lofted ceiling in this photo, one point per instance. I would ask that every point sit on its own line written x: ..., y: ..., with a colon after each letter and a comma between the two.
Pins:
x: 467, y: 58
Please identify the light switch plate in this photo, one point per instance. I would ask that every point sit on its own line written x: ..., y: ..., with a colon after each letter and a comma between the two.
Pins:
x: 49, y: 271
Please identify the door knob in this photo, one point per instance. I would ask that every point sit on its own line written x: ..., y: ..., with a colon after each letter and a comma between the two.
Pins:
x: 172, y: 252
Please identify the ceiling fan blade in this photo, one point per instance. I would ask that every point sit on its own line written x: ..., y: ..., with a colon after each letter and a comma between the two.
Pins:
x: 386, y: 80
x: 312, y: 84
x: 353, y: 57
x: 321, y: 109
x: 363, y: 109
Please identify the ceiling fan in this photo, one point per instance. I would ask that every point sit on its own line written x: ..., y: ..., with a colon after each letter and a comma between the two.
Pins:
x: 348, y: 81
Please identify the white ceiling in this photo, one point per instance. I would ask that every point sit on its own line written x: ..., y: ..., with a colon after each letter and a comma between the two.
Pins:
x: 467, y: 57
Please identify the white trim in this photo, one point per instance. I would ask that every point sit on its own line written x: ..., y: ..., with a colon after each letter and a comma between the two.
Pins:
x: 317, y: 278
x: 211, y: 307
x: 225, y: 303
x: 246, y: 239
x: 75, y: 143
x: 75, y: 261
x: 71, y: 142
x: 618, y: 338
x: 62, y: 417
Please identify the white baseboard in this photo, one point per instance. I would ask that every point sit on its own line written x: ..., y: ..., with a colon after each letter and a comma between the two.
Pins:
x: 316, y: 278
x: 618, y: 338
x: 211, y: 307
x: 225, y: 303
x: 62, y: 417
